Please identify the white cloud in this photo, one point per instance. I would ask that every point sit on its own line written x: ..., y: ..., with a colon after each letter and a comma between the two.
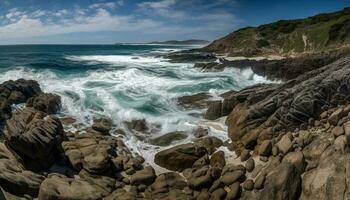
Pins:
x: 163, y: 4
x: 61, y: 13
x: 108, y: 5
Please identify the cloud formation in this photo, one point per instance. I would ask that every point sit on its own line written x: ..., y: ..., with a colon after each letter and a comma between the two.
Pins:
x: 106, y: 17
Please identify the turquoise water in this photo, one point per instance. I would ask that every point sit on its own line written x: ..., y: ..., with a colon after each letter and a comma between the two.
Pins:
x: 122, y: 82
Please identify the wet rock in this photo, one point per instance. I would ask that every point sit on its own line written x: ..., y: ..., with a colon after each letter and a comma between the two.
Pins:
x: 168, y: 138
x: 265, y: 148
x: 250, y: 165
x: 35, y: 137
x: 145, y: 176
x: 209, y: 143
x: 204, y: 161
x: 48, y: 103
x: 196, y: 101
x: 248, y: 185
x: 102, y: 125
x: 218, y: 159
x: 137, y: 125
x: 179, y: 157
x: 230, y: 177
x: 214, y: 111
x: 200, y: 132
x: 218, y: 194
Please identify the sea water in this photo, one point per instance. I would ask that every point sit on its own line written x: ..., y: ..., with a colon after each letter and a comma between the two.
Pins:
x: 123, y: 83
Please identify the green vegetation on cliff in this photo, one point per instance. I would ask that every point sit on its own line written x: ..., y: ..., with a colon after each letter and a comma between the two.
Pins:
x: 319, y: 33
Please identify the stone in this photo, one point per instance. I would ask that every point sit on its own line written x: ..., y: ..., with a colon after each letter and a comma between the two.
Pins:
x: 336, y: 116
x: 63, y: 188
x: 200, y: 132
x: 209, y: 143
x: 337, y: 131
x: 204, y: 177
x: 230, y: 177
x: 145, y: 176
x: 284, y: 182
x: 35, y: 136
x: 235, y: 191
x: 204, y: 161
x: 218, y: 159
x: 250, y: 165
x: 265, y: 148
x: 285, y: 144
x: 137, y: 125
x: 102, y: 125
x: 340, y: 143
x: 45, y: 102
x: 297, y: 159
x: 169, y: 138
x: 179, y: 157
x: 220, y: 193
x: 214, y: 111
x: 245, y: 155
x: 259, y: 182
x: 248, y: 185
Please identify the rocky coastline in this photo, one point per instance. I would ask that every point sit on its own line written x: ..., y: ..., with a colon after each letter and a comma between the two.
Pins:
x: 291, y: 141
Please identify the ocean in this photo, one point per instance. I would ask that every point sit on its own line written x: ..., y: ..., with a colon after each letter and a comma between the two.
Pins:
x: 122, y: 82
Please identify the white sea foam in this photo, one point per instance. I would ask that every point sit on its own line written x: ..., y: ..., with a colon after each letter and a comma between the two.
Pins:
x: 127, y: 93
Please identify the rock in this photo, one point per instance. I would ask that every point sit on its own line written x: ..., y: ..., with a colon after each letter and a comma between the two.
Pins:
x: 337, y: 131
x: 179, y: 157
x: 214, y: 111
x: 14, y: 178
x: 218, y: 194
x: 297, y: 159
x: 209, y: 143
x: 196, y: 101
x: 274, y: 151
x: 283, y: 183
x: 137, y: 125
x: 336, y: 116
x: 216, y: 184
x: 340, y: 143
x: 63, y: 188
x: 200, y: 132
x: 204, y: 161
x: 265, y: 148
x: 248, y: 185
x: 203, y: 195
x: 168, y: 138
x: 227, y: 106
x: 122, y: 194
x: 204, y: 177
x: 145, y: 176
x: 218, y: 159
x: 168, y: 185
x: 259, y: 182
x: 102, y: 125
x: 232, y: 176
x: 250, y: 165
x: 35, y: 137
x: 235, y: 191
x: 48, y: 103
x: 245, y: 155
x: 284, y: 145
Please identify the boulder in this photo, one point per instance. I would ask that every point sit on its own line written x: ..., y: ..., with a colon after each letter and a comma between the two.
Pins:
x: 14, y: 178
x: 250, y: 165
x: 204, y: 177
x: 145, y: 176
x: 48, y: 103
x: 337, y: 131
x: 336, y: 116
x: 285, y: 144
x: 210, y: 143
x: 63, y: 188
x: 235, y: 191
x: 230, y: 177
x: 283, y: 183
x: 214, y: 111
x: 218, y: 159
x: 102, y: 125
x: 196, y: 101
x: 35, y: 136
x: 168, y: 138
x: 179, y: 157
x: 248, y: 185
x: 265, y: 148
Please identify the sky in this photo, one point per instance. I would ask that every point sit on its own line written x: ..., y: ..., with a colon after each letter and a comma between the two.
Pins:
x: 111, y: 21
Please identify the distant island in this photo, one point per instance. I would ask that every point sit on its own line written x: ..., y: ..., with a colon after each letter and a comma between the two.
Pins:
x: 182, y: 42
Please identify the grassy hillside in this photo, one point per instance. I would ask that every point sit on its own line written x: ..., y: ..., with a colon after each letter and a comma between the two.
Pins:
x: 319, y: 33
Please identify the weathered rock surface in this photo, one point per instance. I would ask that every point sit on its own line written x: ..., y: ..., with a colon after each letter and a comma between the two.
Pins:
x: 48, y: 103
x: 179, y: 157
x: 35, y: 136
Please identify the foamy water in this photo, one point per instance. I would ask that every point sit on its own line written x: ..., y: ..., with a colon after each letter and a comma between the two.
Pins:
x: 126, y: 87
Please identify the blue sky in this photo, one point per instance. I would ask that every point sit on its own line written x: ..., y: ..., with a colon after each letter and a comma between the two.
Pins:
x: 109, y: 21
